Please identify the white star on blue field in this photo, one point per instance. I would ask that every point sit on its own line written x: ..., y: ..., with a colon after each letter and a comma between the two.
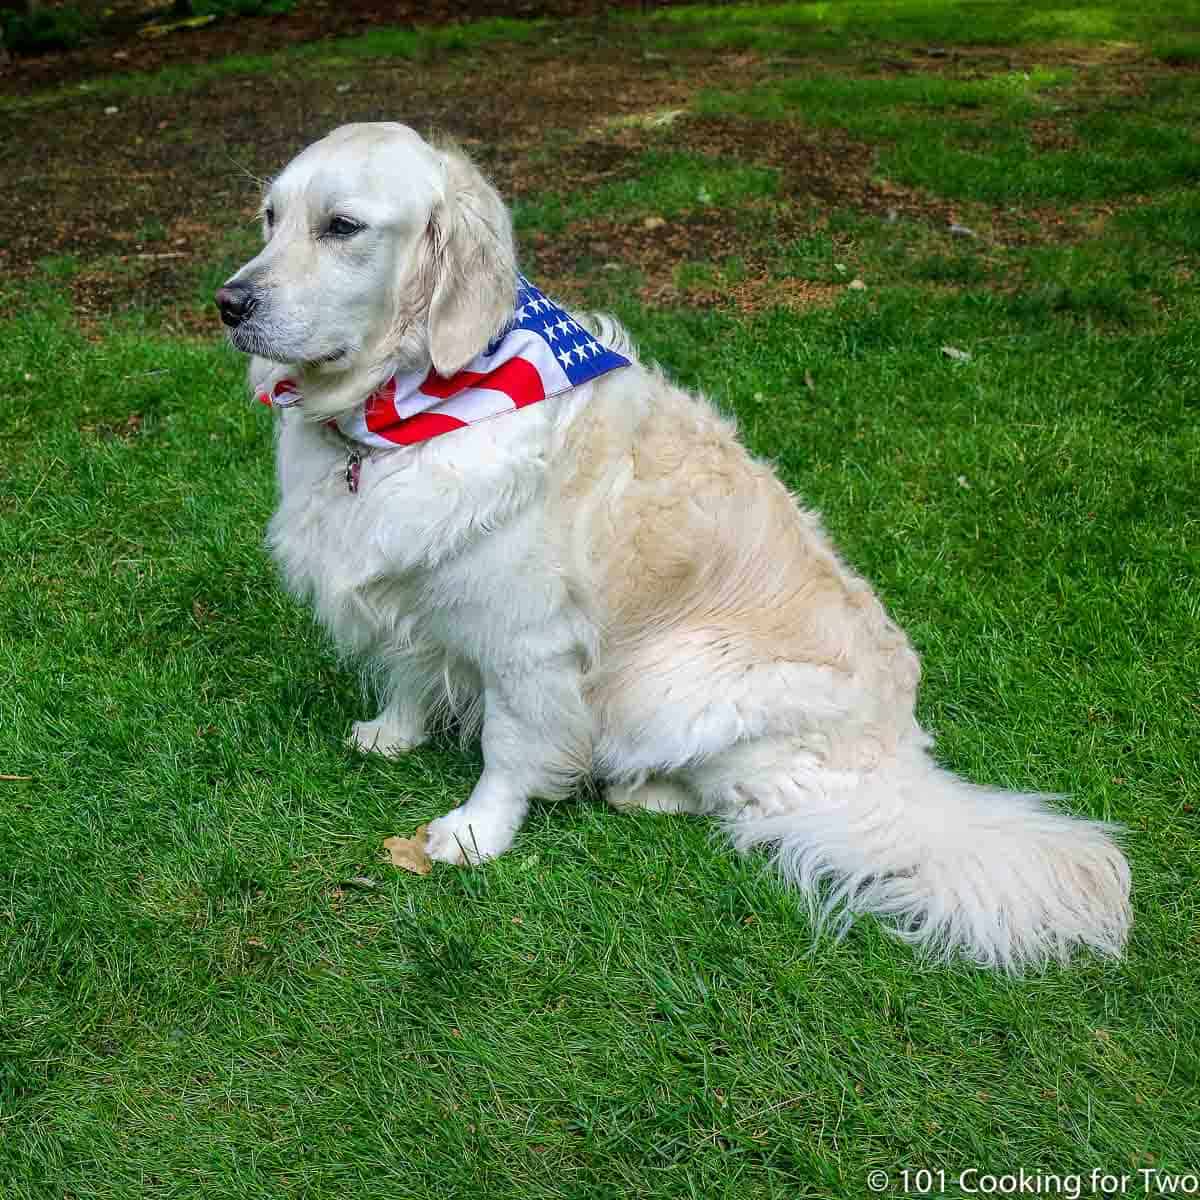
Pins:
x: 581, y: 356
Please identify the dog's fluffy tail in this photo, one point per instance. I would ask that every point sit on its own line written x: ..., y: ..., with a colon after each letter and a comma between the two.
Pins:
x: 998, y: 877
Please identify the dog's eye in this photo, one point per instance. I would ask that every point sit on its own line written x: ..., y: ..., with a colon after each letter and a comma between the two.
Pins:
x: 342, y: 227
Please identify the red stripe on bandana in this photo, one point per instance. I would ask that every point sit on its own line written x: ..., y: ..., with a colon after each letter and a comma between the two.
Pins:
x: 421, y: 427
x: 380, y: 411
x: 518, y: 379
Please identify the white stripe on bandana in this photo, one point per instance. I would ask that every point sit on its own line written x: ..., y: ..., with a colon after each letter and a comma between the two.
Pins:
x: 543, y: 352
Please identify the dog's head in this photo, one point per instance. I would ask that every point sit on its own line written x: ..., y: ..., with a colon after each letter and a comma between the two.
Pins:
x: 381, y: 250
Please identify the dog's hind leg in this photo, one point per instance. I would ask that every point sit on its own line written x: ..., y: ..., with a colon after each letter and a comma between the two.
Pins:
x: 393, y: 733
x: 653, y: 795
x: 410, y: 684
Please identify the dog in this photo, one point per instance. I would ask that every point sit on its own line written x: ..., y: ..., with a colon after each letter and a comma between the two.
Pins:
x: 604, y: 584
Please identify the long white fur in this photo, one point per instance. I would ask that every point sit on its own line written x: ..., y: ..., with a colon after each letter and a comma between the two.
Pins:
x: 608, y: 585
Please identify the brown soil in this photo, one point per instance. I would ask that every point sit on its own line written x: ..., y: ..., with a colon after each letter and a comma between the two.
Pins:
x: 1049, y: 134
x: 144, y: 197
x: 141, y: 195
x: 120, y: 47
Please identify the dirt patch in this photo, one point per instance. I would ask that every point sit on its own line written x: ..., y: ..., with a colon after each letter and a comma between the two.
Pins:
x: 124, y: 431
x: 1048, y: 134
x: 119, y: 47
x: 87, y: 177
x: 144, y: 197
x: 710, y: 258
x: 749, y: 296
x: 127, y: 282
x: 824, y: 168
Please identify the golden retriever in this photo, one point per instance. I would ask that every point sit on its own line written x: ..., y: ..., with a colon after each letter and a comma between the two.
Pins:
x: 605, y: 584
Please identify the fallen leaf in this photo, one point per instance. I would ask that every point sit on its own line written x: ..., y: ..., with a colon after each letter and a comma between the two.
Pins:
x: 808, y: 381
x: 962, y: 231
x: 409, y: 853
x: 857, y: 285
x: 956, y: 354
x: 653, y: 223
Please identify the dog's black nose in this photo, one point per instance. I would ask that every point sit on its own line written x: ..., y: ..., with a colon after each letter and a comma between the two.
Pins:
x: 236, y: 302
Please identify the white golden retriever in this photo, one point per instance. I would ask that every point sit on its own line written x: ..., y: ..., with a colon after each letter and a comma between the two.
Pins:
x: 608, y: 585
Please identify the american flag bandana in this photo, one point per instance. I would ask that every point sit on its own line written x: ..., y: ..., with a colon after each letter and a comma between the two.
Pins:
x: 542, y: 352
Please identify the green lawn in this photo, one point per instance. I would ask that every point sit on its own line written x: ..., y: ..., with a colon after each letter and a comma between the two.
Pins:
x: 210, y: 982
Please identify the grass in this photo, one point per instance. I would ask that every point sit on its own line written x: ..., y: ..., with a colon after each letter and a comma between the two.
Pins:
x: 972, y: 139
x: 200, y: 995
x: 665, y: 184
x: 1127, y: 276
x: 192, y: 991
x: 827, y: 27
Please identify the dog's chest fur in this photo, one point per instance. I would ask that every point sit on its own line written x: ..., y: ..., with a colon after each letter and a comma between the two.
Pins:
x: 444, y: 545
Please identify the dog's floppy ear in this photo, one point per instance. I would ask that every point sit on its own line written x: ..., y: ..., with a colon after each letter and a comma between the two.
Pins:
x: 474, y: 267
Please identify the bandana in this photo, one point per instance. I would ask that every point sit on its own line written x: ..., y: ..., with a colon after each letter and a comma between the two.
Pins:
x: 541, y: 352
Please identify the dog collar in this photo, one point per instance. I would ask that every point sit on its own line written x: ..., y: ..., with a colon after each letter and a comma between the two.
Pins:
x: 542, y: 352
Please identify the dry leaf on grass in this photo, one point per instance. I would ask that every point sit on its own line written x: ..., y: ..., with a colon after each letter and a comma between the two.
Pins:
x: 409, y: 853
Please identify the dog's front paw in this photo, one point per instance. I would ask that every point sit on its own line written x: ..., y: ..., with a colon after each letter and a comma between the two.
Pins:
x: 384, y: 736
x: 462, y: 836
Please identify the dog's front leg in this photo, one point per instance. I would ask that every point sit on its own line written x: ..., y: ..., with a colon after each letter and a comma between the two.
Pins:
x: 537, y: 741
